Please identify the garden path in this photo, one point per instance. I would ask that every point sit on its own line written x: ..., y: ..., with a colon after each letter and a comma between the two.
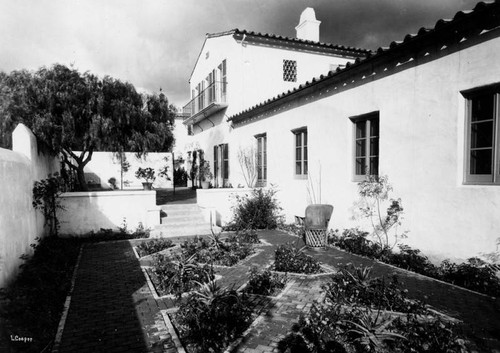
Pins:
x: 113, y: 310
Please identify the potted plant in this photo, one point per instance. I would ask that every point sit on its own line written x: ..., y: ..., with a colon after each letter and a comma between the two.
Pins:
x: 148, y: 175
x: 205, y: 175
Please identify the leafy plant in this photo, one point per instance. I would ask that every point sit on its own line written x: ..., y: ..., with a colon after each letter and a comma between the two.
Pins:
x: 147, y: 174
x: 154, y: 246
x: 374, y: 190
x: 355, y: 241
x: 289, y: 258
x: 371, y: 332
x: 46, y: 197
x: 475, y: 274
x: 355, y: 286
x: 260, y: 210
x: 411, y: 259
x: 112, y: 182
x: 216, y: 251
x: 179, y: 276
x: 204, y: 172
x: 264, y: 282
x: 212, y: 317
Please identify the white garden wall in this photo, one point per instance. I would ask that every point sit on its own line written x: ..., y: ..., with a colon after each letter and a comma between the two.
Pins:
x: 90, y: 211
x: 20, y: 223
x: 105, y: 165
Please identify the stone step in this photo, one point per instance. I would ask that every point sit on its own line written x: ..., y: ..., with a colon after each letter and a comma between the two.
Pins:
x: 192, y: 217
x: 173, y: 232
x: 183, y: 222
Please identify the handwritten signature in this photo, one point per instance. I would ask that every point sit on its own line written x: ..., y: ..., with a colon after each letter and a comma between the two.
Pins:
x: 16, y: 338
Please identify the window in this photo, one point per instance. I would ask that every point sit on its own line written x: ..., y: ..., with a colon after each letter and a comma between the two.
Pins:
x: 483, y: 145
x: 366, y: 141
x: 261, y: 159
x: 216, y: 166
x: 300, y: 152
x: 290, y: 70
x: 223, y: 79
x: 225, y: 161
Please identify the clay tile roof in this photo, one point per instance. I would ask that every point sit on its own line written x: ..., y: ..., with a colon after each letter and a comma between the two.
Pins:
x: 409, y: 39
x: 290, y: 40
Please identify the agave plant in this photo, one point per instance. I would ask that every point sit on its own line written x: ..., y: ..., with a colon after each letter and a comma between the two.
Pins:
x: 213, y: 316
x: 371, y: 331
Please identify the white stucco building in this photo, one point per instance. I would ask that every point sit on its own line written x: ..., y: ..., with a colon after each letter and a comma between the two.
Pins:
x: 424, y: 111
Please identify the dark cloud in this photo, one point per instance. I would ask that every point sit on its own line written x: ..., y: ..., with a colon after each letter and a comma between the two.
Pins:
x: 155, y: 44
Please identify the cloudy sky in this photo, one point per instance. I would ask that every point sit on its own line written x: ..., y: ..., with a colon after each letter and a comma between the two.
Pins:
x: 154, y: 43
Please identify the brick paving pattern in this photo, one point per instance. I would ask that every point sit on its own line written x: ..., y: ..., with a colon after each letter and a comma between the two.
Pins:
x: 113, y: 310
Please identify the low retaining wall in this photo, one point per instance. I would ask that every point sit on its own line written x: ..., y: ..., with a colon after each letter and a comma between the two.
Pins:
x: 217, y: 203
x: 90, y: 211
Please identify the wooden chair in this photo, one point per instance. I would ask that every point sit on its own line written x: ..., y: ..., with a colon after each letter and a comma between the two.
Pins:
x: 316, y: 224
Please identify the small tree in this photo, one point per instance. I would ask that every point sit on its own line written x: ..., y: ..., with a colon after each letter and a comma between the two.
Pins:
x: 374, y: 191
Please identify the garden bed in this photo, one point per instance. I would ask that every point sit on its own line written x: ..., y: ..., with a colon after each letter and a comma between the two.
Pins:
x: 360, y: 313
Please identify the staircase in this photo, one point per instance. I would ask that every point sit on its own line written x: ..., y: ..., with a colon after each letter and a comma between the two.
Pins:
x: 181, y: 219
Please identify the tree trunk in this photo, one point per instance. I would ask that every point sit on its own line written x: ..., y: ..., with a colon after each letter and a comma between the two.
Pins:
x: 81, y: 178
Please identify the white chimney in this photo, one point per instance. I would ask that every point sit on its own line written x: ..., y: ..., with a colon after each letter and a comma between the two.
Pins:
x: 308, y: 27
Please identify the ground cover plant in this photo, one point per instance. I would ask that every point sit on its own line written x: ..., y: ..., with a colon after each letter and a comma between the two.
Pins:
x: 475, y: 274
x: 289, y: 258
x: 32, y: 304
x: 265, y: 282
x: 153, y: 246
x: 212, y: 317
x: 259, y: 210
x: 179, y: 274
x: 354, y: 318
x: 218, y: 251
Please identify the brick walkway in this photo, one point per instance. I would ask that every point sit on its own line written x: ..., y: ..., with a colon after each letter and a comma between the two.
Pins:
x: 113, y: 310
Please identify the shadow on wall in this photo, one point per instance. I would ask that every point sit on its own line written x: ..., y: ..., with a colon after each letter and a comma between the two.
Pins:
x: 90, y: 211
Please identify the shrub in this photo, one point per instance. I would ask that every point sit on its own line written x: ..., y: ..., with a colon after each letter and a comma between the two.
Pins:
x: 411, y: 259
x: 355, y: 241
x: 264, y: 283
x: 182, y: 275
x: 216, y: 251
x: 429, y: 336
x: 473, y: 274
x: 355, y: 286
x: 46, y: 197
x: 333, y: 328
x: 32, y: 304
x: 289, y: 258
x: 260, y: 210
x: 212, y: 317
x: 154, y: 246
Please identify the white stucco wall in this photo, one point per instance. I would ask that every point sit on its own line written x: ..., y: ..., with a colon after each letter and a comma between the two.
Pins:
x: 220, y: 203
x: 91, y: 211
x: 254, y: 74
x: 20, y: 223
x: 422, y: 120
x: 104, y: 165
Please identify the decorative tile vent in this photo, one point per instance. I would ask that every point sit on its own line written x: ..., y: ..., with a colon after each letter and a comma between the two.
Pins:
x: 289, y: 70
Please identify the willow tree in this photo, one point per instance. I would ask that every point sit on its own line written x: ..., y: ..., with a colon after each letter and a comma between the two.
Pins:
x: 69, y: 111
